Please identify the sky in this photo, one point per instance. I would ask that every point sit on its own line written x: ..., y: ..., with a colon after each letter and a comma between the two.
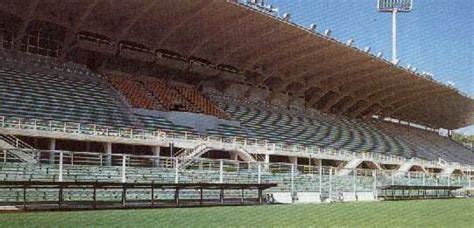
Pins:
x: 436, y: 37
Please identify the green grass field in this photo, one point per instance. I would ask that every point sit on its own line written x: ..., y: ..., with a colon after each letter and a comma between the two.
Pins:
x: 434, y: 213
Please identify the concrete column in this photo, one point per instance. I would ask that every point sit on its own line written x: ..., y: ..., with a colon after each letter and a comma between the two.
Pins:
x: 157, y: 153
x: 266, y: 162
x: 294, y: 160
x: 108, y: 153
x: 52, y: 147
x: 320, y: 177
x: 233, y: 156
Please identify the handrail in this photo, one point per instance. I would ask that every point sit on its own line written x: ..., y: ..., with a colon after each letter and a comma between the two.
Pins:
x: 158, y: 134
x: 79, y: 158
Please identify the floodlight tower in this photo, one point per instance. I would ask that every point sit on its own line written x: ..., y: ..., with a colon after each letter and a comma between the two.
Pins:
x: 394, y: 7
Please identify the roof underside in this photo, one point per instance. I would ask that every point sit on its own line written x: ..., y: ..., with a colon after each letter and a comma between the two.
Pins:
x: 282, y: 56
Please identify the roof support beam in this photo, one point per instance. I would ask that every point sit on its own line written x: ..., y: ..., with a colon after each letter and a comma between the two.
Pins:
x: 334, y: 80
x: 316, y: 98
x: 233, y: 23
x: 404, y: 100
x: 379, y: 93
x: 381, y: 100
x: 352, y: 93
x: 309, y: 53
x: 291, y: 100
x: 395, y: 96
x: 139, y: 15
x: 182, y: 21
x: 411, y: 101
x: 380, y: 84
x: 252, y: 42
x: 327, y: 106
x: 332, y: 101
x: 27, y: 17
x: 321, y: 76
x: 70, y: 37
x: 270, y: 53
x: 377, y: 77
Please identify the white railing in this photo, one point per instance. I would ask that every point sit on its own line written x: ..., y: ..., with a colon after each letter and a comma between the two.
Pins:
x: 173, y: 136
x: 88, y: 166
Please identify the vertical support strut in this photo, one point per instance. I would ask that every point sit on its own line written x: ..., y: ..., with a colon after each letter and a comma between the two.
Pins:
x: 259, y: 173
x: 221, y: 171
x: 61, y: 155
x: 375, y: 184
x: 354, y: 172
x: 176, y: 171
x: 320, y: 178
x: 124, y: 163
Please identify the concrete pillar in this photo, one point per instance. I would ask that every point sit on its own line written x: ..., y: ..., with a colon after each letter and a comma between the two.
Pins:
x: 267, y: 158
x: 156, y: 153
x: 234, y: 156
x: 294, y: 160
x: 52, y: 147
x: 108, y: 153
x: 266, y: 164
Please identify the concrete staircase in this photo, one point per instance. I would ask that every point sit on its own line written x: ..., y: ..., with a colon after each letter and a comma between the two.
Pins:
x: 17, y: 148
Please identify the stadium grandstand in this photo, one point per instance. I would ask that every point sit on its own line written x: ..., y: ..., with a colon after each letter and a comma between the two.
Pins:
x: 169, y: 92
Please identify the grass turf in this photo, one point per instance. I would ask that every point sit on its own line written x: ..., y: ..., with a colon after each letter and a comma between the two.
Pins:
x: 429, y: 213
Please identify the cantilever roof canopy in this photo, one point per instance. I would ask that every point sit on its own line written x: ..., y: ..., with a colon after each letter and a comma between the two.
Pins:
x: 330, y: 76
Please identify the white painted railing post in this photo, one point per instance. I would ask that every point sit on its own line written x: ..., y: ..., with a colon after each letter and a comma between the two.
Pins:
x: 221, y: 171
x: 424, y: 179
x: 124, y: 168
x: 330, y: 182
x: 374, y: 174
x: 176, y: 171
x: 354, y: 172
x: 61, y: 166
x: 259, y: 173
x: 292, y: 179
x: 469, y: 176
x: 320, y: 177
x: 393, y: 178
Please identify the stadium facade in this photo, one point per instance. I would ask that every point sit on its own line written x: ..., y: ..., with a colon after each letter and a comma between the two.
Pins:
x: 215, y: 91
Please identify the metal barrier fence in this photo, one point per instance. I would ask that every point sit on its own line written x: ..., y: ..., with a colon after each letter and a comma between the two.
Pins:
x: 62, y: 166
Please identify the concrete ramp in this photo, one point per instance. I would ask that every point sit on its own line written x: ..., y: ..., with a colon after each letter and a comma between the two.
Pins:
x: 407, y: 166
x: 449, y: 170
x: 282, y: 197
x: 309, y: 197
x: 365, y: 196
x: 349, y: 197
x: 353, y: 164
